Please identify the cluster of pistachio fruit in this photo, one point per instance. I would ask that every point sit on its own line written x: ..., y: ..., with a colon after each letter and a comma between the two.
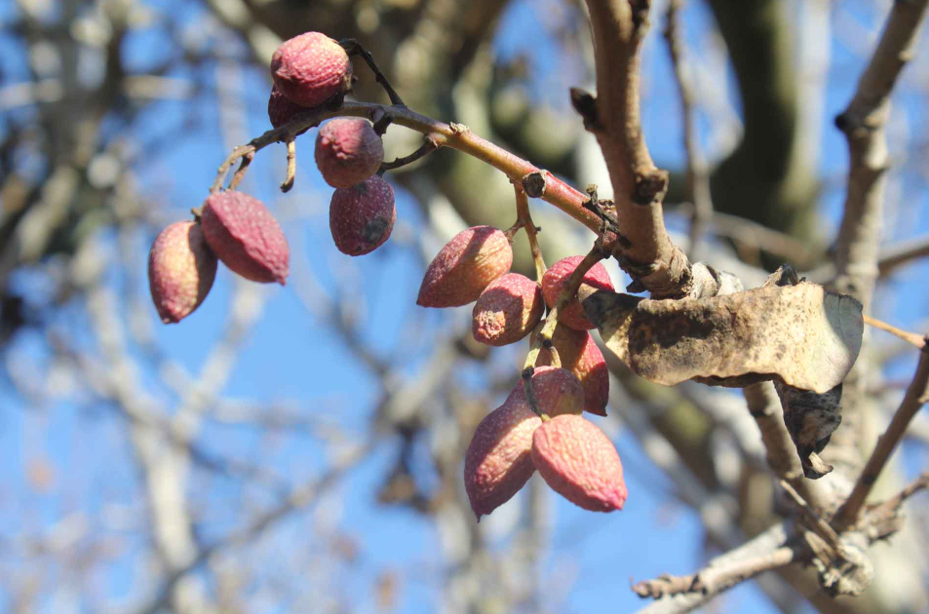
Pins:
x: 544, y: 430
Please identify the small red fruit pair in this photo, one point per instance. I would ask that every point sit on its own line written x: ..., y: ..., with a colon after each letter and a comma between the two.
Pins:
x: 574, y: 457
x: 234, y: 228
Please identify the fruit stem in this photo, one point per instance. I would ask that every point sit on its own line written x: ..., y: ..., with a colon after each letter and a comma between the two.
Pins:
x: 424, y: 150
x: 353, y: 47
x: 595, y: 255
x: 512, y: 230
x: 291, y: 165
x: 530, y: 395
x: 240, y: 174
x: 522, y: 213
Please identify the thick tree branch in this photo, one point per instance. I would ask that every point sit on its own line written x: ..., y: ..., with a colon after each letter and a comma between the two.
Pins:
x: 863, y: 124
x: 638, y: 185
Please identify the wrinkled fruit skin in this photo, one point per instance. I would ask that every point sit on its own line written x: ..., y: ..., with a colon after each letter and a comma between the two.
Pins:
x: 348, y: 151
x: 466, y: 265
x: 507, y: 310
x: 556, y: 277
x: 499, y: 459
x: 281, y: 110
x: 579, y: 353
x: 556, y: 392
x: 181, y: 269
x: 246, y: 237
x: 580, y: 463
x: 311, y: 68
x: 362, y: 217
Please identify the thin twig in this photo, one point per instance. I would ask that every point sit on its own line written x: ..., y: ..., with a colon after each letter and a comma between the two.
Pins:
x: 298, y: 499
x: 814, y: 520
x: 697, y: 172
x: 750, y: 234
x: 892, y: 505
x: 712, y: 580
x: 240, y: 174
x: 424, y: 150
x: 769, y: 550
x: 916, y: 395
x: 353, y: 47
x: 911, y: 338
x: 902, y: 253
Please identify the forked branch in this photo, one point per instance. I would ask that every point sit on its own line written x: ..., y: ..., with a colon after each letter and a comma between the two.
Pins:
x: 613, y: 117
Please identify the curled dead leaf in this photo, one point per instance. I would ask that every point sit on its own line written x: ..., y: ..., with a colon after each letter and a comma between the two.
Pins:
x: 801, y: 335
x: 811, y: 419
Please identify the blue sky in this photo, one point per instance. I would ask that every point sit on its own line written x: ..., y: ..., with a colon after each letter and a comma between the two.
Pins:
x: 291, y: 357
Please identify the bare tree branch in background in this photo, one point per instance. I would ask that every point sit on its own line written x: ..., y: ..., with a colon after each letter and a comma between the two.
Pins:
x: 207, y: 517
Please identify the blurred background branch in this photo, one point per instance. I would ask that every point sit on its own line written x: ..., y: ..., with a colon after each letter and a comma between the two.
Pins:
x: 300, y: 448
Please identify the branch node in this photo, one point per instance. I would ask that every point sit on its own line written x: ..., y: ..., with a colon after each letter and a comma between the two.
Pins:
x: 380, y: 126
x: 534, y: 184
x: 585, y: 104
x: 650, y: 186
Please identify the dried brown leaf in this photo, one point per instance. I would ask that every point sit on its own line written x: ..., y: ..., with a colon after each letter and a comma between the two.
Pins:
x: 801, y: 335
x: 811, y: 419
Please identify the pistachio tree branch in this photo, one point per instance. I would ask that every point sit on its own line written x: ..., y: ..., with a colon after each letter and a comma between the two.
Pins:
x: 770, y: 550
x: 863, y: 123
x: 639, y: 187
x: 916, y: 395
x: 440, y: 134
x: 892, y: 506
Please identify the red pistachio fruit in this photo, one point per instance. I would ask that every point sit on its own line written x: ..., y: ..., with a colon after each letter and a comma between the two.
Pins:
x: 580, y: 463
x: 507, y: 310
x: 311, y: 68
x: 556, y: 391
x: 181, y: 269
x: 556, y: 277
x: 466, y: 265
x: 245, y: 236
x: 579, y: 353
x: 348, y: 151
x: 281, y: 110
x: 499, y: 462
x: 362, y: 217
